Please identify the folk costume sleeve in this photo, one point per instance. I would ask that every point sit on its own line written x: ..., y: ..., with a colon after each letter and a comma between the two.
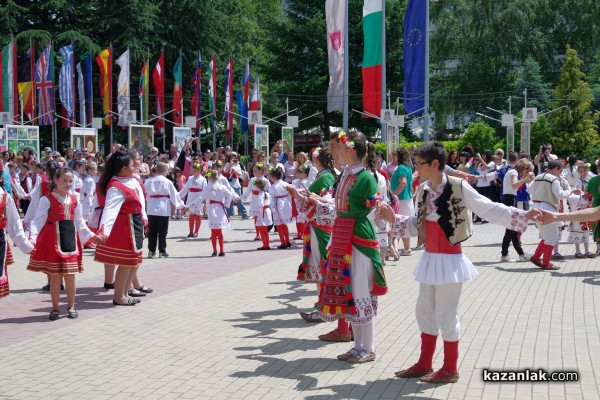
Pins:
x: 39, y: 220
x: 14, y: 228
x: 174, y: 196
x: 114, y: 200
x: 85, y: 234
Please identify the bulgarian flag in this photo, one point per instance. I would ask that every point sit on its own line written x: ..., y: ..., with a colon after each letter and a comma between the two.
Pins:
x: 178, y: 91
x: 212, y: 86
x: 158, y: 82
x: 372, y: 56
x: 9, y: 95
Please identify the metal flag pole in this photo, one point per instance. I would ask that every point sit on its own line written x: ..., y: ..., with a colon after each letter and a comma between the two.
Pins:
x: 346, y: 69
x: 426, y: 86
x: 383, y: 72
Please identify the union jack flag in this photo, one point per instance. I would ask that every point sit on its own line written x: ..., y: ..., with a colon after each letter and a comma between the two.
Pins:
x: 44, y: 84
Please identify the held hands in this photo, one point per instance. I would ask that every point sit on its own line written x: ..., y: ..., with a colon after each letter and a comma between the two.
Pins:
x: 534, y: 214
x: 385, y: 212
x: 578, y: 192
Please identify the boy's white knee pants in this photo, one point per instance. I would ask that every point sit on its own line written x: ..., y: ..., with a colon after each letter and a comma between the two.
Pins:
x: 437, y: 310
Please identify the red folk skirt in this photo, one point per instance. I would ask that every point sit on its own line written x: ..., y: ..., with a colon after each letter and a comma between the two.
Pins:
x: 6, y: 259
x: 49, y: 258
x: 125, y: 243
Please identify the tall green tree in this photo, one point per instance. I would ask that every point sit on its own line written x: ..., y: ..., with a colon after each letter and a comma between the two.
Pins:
x: 529, y: 77
x: 573, y: 127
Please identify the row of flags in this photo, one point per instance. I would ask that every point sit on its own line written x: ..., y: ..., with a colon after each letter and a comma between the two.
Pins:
x: 33, y: 87
x: 373, y: 20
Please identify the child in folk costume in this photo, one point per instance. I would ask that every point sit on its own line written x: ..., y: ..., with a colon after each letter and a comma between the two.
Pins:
x: 218, y: 198
x: 255, y: 210
x: 192, y: 189
x: 321, y: 215
x: 264, y: 219
x: 88, y: 191
x: 281, y: 207
x: 443, y: 221
x: 354, y: 276
x: 26, y: 182
x: 56, y: 232
x: 580, y: 231
x: 301, y: 184
x: 10, y: 224
x: 122, y: 224
x: 78, y: 170
x: 179, y: 181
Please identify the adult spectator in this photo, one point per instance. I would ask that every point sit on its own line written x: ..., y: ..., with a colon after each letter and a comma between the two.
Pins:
x: 253, y: 160
x: 289, y: 167
x: 232, y: 170
x: 452, y: 161
x: 401, y: 187
x: 47, y: 156
x: 500, y: 162
x: 543, y: 157
x: 70, y: 156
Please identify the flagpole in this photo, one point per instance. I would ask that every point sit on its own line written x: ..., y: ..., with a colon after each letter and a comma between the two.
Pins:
x: 383, y: 71
x: 346, y: 69
x: 110, y: 143
x: 246, y: 105
x: 426, y: 86
x: 53, y: 98
x: 180, y: 100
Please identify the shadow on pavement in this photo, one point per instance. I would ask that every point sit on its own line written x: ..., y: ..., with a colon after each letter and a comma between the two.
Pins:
x: 526, y: 270
x: 592, y: 277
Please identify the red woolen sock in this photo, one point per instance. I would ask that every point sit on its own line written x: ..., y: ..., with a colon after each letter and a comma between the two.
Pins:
x: 427, y: 350
x: 299, y: 229
x: 539, y: 250
x: 343, y: 326
x: 256, y: 228
x: 286, y: 233
x: 198, y: 223
x: 264, y: 234
x: 281, y: 235
x: 191, y: 223
x: 213, y: 239
x: 450, y: 357
x: 547, y: 254
x: 221, y: 240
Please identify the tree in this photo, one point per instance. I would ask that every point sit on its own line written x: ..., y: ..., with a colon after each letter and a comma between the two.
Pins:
x: 479, y: 135
x: 529, y: 77
x: 573, y: 128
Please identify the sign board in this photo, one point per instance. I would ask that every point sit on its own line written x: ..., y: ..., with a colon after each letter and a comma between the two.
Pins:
x: 292, y: 121
x: 287, y: 138
x: 261, y: 138
x: 399, y: 121
x: 530, y: 114
x: 190, y: 122
x: 97, y: 123
x: 130, y: 117
x: 387, y: 116
x: 141, y: 138
x: 2, y: 139
x: 312, y: 139
x: 181, y: 135
x: 255, y: 117
x: 85, y: 138
x: 508, y: 120
x: 19, y: 137
x: 5, y: 118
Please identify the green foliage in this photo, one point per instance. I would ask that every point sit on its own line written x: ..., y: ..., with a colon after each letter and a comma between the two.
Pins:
x: 479, y: 135
x: 573, y: 128
x: 529, y: 77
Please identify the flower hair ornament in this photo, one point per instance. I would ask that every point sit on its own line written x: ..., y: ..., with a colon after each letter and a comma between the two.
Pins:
x: 197, y: 166
x: 219, y: 163
x: 60, y: 164
x: 316, y: 151
x: 271, y: 169
x: 303, y: 169
x: 210, y: 172
x: 259, y: 165
x: 344, y: 139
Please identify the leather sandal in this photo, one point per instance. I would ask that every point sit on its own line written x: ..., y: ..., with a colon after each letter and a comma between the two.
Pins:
x: 335, y: 336
x: 130, y: 302
x: 362, y: 357
x: 416, y: 371
x: 53, y: 315
x: 312, y: 317
x: 440, y: 376
x: 72, y: 313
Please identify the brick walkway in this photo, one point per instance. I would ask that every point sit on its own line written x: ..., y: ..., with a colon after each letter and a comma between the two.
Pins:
x: 229, y: 328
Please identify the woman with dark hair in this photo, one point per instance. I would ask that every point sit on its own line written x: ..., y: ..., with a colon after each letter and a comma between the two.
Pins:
x: 452, y: 160
x: 122, y: 224
x: 354, y: 274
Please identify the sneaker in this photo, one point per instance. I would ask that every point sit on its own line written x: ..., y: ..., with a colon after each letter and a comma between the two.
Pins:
x: 579, y: 255
x: 151, y: 254
x: 524, y: 257
x: 163, y: 255
x: 405, y: 253
x: 245, y: 217
x: 558, y: 256
x: 507, y: 259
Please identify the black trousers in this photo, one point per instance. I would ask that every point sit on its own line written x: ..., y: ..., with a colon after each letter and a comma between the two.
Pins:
x: 510, y: 235
x: 24, y: 205
x: 158, y: 228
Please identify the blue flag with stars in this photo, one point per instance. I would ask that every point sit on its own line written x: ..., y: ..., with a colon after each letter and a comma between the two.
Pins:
x: 414, y: 56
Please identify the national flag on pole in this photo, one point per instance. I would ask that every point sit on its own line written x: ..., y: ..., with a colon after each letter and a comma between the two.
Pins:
x: 123, y: 87
x: 372, y: 55
x: 144, y: 90
x: 158, y: 82
x: 25, y: 79
x: 104, y: 60
x: 335, y: 14
x: 229, y: 98
x: 197, y: 94
x: 66, y: 86
x: 245, y: 103
x: 212, y: 86
x: 81, y: 91
x: 414, y: 56
x: 255, y: 102
x: 44, y: 85
x: 8, y: 84
x: 178, y: 91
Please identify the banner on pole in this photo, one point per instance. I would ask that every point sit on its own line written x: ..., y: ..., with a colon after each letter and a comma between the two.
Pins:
x: 141, y: 138
x: 84, y: 138
x: 20, y: 137
x: 287, y: 138
x: 261, y: 137
x: 255, y: 117
x: 181, y: 135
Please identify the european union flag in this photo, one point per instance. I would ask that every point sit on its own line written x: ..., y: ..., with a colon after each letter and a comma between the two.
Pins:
x: 414, y: 56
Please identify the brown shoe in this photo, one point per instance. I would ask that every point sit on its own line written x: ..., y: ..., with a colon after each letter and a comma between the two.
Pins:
x: 335, y: 336
x: 536, y: 261
x: 440, y: 376
x: 362, y: 357
x: 351, y: 353
x: 591, y: 255
x: 312, y: 317
x: 416, y: 371
x: 550, y: 267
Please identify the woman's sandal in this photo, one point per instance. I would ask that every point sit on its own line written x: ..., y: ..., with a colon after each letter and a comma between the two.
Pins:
x: 53, y: 315
x: 72, y: 313
x: 145, y: 289
x: 130, y: 302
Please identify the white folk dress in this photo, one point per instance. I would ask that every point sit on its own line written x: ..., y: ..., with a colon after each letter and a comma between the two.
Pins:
x: 217, y: 198
x: 255, y: 208
x: 264, y: 218
x: 193, y: 188
x: 281, y: 204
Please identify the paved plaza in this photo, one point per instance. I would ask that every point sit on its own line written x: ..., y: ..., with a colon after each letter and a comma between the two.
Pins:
x: 228, y: 328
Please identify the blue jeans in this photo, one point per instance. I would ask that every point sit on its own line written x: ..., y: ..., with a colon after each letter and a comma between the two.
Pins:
x: 241, y: 209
